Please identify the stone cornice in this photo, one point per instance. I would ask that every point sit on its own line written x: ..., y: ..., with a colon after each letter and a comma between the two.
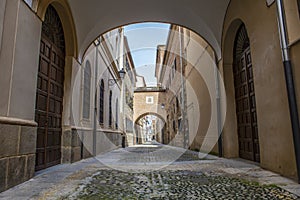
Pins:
x: 17, y: 121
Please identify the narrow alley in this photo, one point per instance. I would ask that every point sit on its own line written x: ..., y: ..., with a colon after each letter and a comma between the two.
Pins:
x: 131, y: 99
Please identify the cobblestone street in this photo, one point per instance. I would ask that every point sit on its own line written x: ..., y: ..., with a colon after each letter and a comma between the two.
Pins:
x: 108, y: 184
x: 155, y: 171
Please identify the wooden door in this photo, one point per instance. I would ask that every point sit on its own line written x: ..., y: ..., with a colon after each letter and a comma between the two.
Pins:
x: 49, y: 102
x: 246, y: 107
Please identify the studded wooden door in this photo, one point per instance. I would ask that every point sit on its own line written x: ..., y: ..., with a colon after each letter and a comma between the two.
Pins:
x: 49, y: 102
x: 49, y: 105
x: 245, y: 101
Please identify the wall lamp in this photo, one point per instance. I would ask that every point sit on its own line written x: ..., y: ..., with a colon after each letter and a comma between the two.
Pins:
x: 269, y: 2
x: 97, y: 42
x: 122, y: 73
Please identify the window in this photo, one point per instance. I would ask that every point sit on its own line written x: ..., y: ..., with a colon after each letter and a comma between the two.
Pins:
x: 179, y: 124
x: 174, y: 125
x: 117, y: 114
x: 174, y: 106
x: 177, y: 104
x: 173, y: 72
x: 110, y: 109
x: 129, y: 125
x: 149, y: 100
x: 86, y: 90
x: 128, y: 70
x: 127, y: 64
x: 175, y: 64
x: 101, y: 103
x: 174, y: 69
x: 129, y: 98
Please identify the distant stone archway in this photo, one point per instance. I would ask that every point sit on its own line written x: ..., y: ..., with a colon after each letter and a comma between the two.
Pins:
x: 150, y: 113
x: 149, y: 100
x: 159, y: 137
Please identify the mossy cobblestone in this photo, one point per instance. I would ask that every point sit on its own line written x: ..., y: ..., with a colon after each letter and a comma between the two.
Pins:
x: 180, y: 184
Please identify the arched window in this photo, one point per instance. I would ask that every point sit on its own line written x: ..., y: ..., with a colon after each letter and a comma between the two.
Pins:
x: 86, y: 90
x: 117, y: 114
x: 110, y: 109
x: 177, y: 104
x: 101, y: 106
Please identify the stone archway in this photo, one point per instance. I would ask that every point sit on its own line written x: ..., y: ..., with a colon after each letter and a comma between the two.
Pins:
x: 149, y: 101
x: 159, y: 136
x: 94, y: 18
x: 71, y: 60
x: 238, y: 142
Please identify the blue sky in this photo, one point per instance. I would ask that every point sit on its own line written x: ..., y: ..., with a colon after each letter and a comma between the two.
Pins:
x: 143, y: 39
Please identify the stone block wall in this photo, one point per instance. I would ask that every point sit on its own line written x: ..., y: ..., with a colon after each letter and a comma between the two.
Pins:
x: 17, y: 154
x: 78, y: 144
x: 71, y: 146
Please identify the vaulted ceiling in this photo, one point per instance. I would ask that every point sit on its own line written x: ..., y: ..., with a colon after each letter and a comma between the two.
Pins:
x: 95, y: 17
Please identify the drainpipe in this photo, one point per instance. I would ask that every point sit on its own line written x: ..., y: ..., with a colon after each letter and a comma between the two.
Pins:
x: 95, y: 105
x: 183, y: 108
x: 289, y: 83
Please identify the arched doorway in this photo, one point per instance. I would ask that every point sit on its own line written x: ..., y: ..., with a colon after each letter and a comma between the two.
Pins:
x: 245, y: 98
x: 50, y: 90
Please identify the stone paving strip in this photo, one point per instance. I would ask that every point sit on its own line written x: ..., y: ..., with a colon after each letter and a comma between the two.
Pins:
x: 155, y: 172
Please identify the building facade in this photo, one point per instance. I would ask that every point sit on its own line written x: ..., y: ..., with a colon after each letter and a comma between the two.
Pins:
x: 249, y: 130
x: 129, y: 85
x: 261, y: 46
x: 187, y: 69
x: 148, y: 101
x: 77, y: 111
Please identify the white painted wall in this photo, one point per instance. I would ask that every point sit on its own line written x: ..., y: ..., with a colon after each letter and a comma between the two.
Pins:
x: 102, y: 73
x: 2, y: 12
x: 19, y: 61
